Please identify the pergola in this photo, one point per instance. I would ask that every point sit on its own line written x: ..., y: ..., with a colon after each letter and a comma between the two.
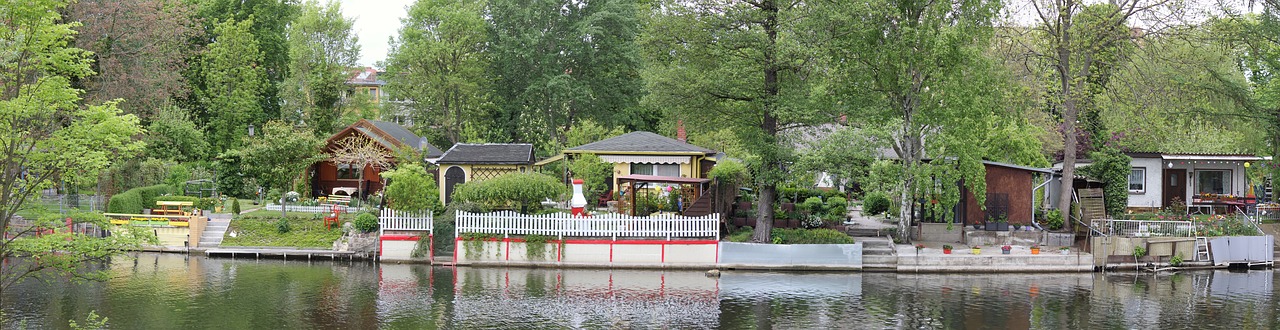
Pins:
x: 635, y: 182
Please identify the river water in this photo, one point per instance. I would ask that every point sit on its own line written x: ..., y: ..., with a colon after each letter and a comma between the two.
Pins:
x: 173, y: 291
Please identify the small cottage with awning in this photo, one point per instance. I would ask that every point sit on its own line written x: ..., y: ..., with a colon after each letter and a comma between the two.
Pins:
x: 466, y: 162
x: 1202, y: 182
x: 644, y: 161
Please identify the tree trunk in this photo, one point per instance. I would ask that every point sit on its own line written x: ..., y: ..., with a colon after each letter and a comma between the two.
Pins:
x: 764, y: 213
x: 1069, y: 114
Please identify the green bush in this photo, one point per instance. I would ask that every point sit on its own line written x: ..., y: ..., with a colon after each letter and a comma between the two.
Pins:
x: 1053, y: 219
x: 741, y: 235
x: 282, y: 226
x: 125, y: 202
x: 150, y: 193
x: 511, y: 190
x: 411, y: 189
x: 837, y: 206
x: 813, y: 205
x: 810, y: 236
x: 366, y: 222
x: 235, y: 206
x: 875, y: 203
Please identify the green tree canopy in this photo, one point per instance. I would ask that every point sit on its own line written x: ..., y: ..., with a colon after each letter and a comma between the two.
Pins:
x: 48, y: 136
x: 411, y: 189
x: 322, y: 54
x: 279, y: 155
x: 234, y: 79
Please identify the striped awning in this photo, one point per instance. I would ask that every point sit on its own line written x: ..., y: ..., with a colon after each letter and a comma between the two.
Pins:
x: 645, y: 159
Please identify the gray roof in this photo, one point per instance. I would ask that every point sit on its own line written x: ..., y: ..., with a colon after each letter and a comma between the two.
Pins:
x: 489, y: 153
x: 641, y: 141
x: 405, y: 136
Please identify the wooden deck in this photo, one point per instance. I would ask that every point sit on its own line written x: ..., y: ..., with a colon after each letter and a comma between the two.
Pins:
x: 284, y: 253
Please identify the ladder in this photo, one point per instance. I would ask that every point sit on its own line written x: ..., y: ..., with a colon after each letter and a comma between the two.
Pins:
x: 1202, y: 248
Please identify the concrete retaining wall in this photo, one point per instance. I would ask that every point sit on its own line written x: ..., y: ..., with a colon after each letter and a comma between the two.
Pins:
x: 793, y: 256
x: 982, y: 237
x: 1160, y: 249
x: 959, y: 263
x: 937, y: 232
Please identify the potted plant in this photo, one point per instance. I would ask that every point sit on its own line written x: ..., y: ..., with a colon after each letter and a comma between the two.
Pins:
x: 977, y: 226
x: 919, y: 247
x: 946, y: 249
x: 1064, y: 250
x: 1035, y: 248
x: 1005, y: 249
x: 977, y: 249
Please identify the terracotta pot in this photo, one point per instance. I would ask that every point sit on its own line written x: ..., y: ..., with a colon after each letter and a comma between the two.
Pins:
x: 946, y: 251
x: 1035, y: 250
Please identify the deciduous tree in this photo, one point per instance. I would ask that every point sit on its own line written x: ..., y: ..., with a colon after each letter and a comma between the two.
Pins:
x: 233, y: 81
x: 48, y: 136
x: 279, y: 155
x: 322, y: 55
x: 360, y: 152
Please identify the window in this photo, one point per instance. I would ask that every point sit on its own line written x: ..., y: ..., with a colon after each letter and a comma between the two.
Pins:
x: 1137, y: 180
x: 347, y: 171
x: 669, y: 170
x: 1213, y: 182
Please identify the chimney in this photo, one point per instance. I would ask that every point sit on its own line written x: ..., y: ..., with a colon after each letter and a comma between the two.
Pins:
x: 680, y: 134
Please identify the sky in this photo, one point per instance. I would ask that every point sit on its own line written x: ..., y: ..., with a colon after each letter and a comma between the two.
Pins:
x: 376, y: 22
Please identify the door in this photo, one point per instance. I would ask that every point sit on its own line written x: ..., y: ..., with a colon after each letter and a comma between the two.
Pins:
x: 1175, y: 187
x: 452, y: 177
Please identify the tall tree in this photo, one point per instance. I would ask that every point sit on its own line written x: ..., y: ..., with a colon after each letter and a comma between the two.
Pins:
x: 233, y: 82
x: 739, y: 65
x: 1077, y: 40
x: 361, y: 152
x: 48, y: 136
x: 558, y: 61
x: 279, y: 155
x: 269, y: 19
x: 322, y: 55
x: 917, y: 66
x: 438, y: 62
x: 139, y: 50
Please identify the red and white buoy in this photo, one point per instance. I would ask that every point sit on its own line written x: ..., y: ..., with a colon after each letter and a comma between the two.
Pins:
x: 579, y: 201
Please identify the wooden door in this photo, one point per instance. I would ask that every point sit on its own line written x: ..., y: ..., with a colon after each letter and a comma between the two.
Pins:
x: 1175, y: 187
x: 452, y: 177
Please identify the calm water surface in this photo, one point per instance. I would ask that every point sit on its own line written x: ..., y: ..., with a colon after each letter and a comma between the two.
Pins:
x: 170, y: 291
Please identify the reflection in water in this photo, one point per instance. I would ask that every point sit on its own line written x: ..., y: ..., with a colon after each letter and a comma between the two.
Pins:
x: 174, y: 291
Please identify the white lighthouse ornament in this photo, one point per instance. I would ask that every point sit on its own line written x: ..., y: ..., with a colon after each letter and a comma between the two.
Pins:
x: 579, y: 201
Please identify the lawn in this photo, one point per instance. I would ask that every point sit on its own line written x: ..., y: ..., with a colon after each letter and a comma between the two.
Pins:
x: 264, y: 228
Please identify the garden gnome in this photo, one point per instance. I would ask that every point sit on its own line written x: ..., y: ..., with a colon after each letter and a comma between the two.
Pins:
x: 579, y: 201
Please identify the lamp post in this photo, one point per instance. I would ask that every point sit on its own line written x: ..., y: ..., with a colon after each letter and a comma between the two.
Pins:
x: 250, y: 130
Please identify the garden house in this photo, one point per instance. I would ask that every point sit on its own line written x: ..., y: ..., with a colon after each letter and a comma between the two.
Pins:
x: 329, y: 177
x: 1205, y: 183
x: 1010, y: 196
x: 478, y: 162
x: 646, y: 154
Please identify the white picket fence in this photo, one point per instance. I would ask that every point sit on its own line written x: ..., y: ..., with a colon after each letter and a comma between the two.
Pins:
x: 390, y: 219
x: 312, y: 209
x: 603, y: 225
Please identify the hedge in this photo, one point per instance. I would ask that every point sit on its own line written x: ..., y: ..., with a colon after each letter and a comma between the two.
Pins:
x: 810, y: 236
x: 136, y: 199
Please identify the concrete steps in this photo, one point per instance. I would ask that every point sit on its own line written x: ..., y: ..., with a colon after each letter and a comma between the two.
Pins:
x: 215, y: 230
x: 878, y: 253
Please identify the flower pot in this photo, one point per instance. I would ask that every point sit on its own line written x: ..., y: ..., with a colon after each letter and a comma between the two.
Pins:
x: 946, y: 251
x: 1035, y: 250
x: 1065, y: 251
x: 977, y: 251
x: 1004, y: 251
x: 977, y: 226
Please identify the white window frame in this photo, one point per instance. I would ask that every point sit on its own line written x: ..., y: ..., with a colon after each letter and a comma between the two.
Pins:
x: 654, y: 169
x: 1142, y: 180
x: 1226, y: 181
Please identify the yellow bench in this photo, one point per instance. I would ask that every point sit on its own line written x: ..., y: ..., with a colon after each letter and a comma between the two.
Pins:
x: 171, y: 208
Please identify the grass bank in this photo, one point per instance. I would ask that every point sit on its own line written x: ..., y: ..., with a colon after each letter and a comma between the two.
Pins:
x: 267, y: 228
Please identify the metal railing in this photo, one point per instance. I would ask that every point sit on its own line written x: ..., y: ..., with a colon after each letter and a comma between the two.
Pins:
x: 1144, y: 228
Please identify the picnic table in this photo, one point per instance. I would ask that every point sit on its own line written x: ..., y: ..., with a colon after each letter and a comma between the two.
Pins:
x: 171, y: 208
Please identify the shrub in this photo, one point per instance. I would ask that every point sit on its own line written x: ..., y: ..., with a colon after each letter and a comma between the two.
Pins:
x: 1053, y: 219
x: 125, y: 202
x: 150, y: 193
x: 523, y: 190
x: 206, y: 203
x: 741, y: 235
x: 282, y: 226
x: 235, y: 206
x: 812, y: 204
x: 810, y: 236
x: 875, y: 203
x: 837, y: 206
x: 366, y: 222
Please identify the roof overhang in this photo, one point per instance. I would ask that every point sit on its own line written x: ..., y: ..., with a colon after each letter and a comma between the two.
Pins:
x: 1237, y: 158
x: 659, y: 153
x: 659, y: 179
x: 639, y: 159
